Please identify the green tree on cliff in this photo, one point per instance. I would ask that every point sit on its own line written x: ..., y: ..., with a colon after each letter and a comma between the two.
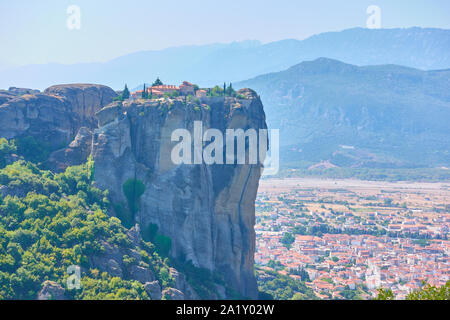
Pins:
x: 126, y: 93
x: 144, y: 93
x: 230, y: 90
x: 133, y: 190
x: 157, y: 82
x: 6, y: 148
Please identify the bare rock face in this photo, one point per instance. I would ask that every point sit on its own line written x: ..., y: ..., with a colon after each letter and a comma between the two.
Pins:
x: 5, y: 96
x: 76, y: 153
x: 173, y: 294
x: 207, y: 210
x: 85, y: 99
x: 53, y: 117
x: 22, y: 91
x: 38, y: 115
x: 111, y: 260
x: 153, y: 289
x: 51, y: 291
x: 182, y: 285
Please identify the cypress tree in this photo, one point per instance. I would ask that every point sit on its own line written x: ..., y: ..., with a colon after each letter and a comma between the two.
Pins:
x: 230, y: 90
x: 126, y: 93
x: 144, y: 94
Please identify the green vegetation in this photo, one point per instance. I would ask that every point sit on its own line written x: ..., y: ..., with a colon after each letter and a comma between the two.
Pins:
x: 144, y: 93
x: 49, y: 222
x: 124, y: 95
x: 203, y: 281
x: 173, y: 94
x: 302, y: 273
x: 125, y: 216
x: 421, y: 242
x: 215, y: 92
x: 133, y: 189
x: 323, y: 228
x: 288, y: 239
x: 371, y: 174
x: 105, y: 287
x: 349, y: 294
x: 6, y: 149
x: 229, y: 91
x: 276, y: 265
x: 281, y: 287
x: 329, y: 280
x: 26, y: 147
x: 31, y: 149
x: 162, y: 243
x: 224, y: 91
x: 427, y: 292
x: 157, y: 82
x: 385, y: 294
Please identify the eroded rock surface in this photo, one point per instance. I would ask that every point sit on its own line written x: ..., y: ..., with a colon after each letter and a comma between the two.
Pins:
x: 206, y: 210
x: 76, y: 153
x: 85, y: 99
x: 153, y: 289
x: 53, y: 117
x: 51, y: 291
x: 173, y: 294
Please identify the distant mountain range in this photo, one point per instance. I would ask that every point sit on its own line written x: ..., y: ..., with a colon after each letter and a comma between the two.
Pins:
x: 344, y: 115
x: 213, y: 64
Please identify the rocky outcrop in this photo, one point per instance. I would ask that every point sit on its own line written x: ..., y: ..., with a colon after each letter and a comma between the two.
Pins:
x: 54, y: 118
x: 22, y: 91
x: 182, y: 285
x: 206, y: 210
x: 153, y: 290
x: 112, y: 260
x: 47, y: 118
x: 172, y: 294
x: 51, y: 291
x: 5, y: 96
x: 85, y: 99
x: 76, y: 153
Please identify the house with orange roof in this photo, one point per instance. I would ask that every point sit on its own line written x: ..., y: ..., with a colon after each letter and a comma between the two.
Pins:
x: 187, y: 88
x: 201, y: 93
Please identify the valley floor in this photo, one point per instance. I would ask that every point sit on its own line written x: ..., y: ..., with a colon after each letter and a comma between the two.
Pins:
x: 352, y: 236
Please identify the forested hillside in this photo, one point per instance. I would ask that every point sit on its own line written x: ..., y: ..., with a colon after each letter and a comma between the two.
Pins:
x: 49, y: 222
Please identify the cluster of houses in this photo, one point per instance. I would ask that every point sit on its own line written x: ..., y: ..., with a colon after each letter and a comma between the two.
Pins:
x: 185, y: 89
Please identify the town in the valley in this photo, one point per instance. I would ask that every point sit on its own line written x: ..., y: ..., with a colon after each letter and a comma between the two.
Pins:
x: 349, y: 238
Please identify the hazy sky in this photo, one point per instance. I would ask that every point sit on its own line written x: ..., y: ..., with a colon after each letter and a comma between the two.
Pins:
x: 36, y: 31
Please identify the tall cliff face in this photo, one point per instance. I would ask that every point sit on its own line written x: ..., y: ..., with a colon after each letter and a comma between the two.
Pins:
x: 41, y: 116
x: 207, y: 210
x: 55, y: 116
x: 85, y: 99
x: 62, y: 118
